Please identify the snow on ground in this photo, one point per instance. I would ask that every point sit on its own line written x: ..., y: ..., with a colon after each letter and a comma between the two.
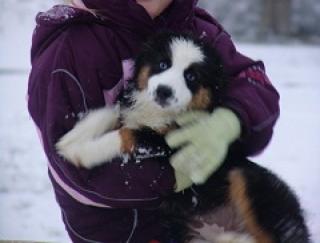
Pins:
x: 28, y: 210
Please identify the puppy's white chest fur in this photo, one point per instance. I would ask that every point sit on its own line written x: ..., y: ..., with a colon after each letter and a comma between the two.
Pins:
x: 145, y: 113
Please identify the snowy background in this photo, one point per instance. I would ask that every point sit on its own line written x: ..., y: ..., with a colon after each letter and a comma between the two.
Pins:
x: 28, y: 210
x: 270, y: 20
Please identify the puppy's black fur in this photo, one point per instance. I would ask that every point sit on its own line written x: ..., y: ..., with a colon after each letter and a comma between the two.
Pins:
x: 273, y: 204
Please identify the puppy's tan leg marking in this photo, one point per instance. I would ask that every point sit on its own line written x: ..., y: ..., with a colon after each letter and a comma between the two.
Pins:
x: 240, y: 200
x: 127, y: 140
x: 143, y: 77
x: 201, y: 100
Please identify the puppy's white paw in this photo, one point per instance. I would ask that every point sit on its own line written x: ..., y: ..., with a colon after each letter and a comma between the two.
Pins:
x: 93, y: 152
x: 234, y: 237
x: 70, y: 153
x: 94, y: 124
x: 74, y: 145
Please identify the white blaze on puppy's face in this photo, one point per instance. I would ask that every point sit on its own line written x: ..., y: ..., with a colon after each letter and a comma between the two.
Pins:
x: 169, y: 88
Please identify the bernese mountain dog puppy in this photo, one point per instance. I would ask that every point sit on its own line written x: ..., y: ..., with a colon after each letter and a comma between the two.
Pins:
x: 241, y: 202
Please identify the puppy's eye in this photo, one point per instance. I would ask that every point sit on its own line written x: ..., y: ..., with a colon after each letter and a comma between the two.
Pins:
x: 163, y: 65
x: 192, y: 80
x: 190, y: 76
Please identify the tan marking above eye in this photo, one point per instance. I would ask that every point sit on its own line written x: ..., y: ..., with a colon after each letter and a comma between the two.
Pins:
x: 143, y: 77
x: 201, y: 100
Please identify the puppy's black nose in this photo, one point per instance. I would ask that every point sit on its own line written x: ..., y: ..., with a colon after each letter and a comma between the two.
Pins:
x: 163, y: 93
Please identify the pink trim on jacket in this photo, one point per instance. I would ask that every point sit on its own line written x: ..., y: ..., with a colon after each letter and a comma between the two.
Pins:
x: 73, y: 193
x: 111, y: 95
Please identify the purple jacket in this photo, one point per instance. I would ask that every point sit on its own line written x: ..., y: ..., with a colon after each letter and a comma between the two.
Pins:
x: 82, y: 62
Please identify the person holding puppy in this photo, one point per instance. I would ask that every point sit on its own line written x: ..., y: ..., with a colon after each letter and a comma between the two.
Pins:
x: 82, y: 59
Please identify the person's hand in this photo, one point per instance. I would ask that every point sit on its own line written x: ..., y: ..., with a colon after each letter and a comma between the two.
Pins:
x: 205, y: 139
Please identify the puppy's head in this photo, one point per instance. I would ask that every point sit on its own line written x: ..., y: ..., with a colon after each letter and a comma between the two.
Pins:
x: 179, y: 72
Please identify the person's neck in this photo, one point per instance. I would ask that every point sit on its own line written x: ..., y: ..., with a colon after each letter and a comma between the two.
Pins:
x: 154, y: 10
x: 79, y: 4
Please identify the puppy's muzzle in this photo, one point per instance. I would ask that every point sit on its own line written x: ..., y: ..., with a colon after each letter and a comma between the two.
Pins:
x: 163, y: 94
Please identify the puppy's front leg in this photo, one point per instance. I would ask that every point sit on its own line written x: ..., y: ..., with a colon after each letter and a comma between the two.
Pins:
x: 93, y: 125
x: 105, y: 148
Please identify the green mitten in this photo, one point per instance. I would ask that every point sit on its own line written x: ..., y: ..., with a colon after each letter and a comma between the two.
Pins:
x: 182, y: 181
x: 205, y: 139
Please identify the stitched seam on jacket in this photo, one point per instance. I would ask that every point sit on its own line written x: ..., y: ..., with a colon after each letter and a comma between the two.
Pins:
x: 85, y: 105
x: 134, y: 224
x: 218, y: 37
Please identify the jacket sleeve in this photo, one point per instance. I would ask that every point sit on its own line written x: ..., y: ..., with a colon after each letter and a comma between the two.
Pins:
x: 250, y: 94
x: 60, y: 92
